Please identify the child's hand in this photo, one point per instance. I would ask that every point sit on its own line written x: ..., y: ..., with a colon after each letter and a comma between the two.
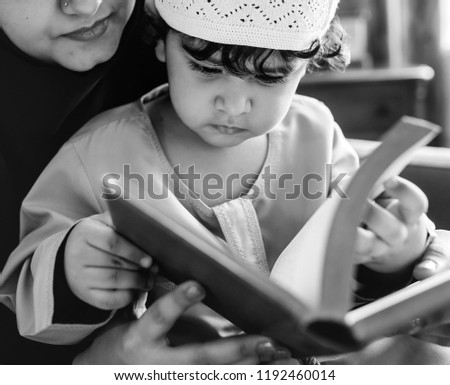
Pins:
x: 436, y: 258
x: 396, y: 232
x: 102, y: 268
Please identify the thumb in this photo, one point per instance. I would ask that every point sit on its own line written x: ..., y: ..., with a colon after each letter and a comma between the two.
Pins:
x: 436, y: 257
x: 165, y: 311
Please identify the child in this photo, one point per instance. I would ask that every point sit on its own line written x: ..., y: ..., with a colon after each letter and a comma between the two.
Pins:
x: 230, y: 109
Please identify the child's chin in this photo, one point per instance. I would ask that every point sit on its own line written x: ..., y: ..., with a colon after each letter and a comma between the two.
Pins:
x: 224, y: 142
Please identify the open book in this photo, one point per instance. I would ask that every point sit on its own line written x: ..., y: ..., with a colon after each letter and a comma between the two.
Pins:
x: 306, y: 304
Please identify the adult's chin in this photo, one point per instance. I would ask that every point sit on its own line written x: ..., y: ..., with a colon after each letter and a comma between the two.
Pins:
x: 81, y: 59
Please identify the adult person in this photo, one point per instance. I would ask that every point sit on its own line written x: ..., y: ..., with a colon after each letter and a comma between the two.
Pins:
x: 62, y: 62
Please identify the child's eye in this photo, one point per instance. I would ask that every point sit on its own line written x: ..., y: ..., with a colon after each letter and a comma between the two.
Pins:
x: 208, y: 71
x: 268, y: 80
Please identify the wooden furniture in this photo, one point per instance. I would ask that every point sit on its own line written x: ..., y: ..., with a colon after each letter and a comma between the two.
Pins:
x: 365, y: 102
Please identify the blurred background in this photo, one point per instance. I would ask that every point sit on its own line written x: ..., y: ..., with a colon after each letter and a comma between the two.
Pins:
x: 400, y: 65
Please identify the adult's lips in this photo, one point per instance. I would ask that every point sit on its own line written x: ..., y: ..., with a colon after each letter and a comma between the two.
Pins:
x: 92, y: 32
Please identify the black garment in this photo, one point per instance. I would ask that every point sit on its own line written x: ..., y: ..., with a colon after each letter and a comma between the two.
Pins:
x: 41, y: 106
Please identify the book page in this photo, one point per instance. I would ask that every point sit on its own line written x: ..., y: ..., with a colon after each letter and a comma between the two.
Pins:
x: 299, y: 269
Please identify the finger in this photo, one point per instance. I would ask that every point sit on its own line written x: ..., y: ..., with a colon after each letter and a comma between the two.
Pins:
x: 368, y: 246
x: 106, y: 239
x: 164, y: 312
x: 110, y: 299
x: 412, y: 201
x: 117, y: 279
x: 436, y: 257
x: 248, y: 350
x: 104, y: 259
x: 385, y: 225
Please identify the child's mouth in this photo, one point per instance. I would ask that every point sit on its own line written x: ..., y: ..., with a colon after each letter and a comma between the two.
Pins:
x: 228, y: 130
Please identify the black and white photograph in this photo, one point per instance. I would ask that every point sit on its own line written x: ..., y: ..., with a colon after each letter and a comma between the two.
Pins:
x: 224, y: 182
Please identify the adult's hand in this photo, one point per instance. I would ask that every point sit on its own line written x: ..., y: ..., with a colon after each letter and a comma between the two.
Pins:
x: 144, y: 341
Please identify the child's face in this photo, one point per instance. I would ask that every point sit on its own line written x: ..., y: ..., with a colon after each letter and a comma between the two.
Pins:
x: 225, y: 110
x: 52, y: 32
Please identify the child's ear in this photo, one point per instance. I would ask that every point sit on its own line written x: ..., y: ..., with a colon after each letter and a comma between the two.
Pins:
x: 160, y: 51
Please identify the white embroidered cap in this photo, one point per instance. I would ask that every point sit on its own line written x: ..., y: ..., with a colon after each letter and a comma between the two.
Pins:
x: 277, y: 24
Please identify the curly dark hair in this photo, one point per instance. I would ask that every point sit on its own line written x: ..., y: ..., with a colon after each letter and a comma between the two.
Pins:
x: 329, y: 53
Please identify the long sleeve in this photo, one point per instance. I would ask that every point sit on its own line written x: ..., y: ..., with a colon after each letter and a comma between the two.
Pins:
x: 61, y: 197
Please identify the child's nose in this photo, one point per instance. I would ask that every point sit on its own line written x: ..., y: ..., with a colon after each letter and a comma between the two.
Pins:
x: 233, y: 103
x: 80, y: 7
